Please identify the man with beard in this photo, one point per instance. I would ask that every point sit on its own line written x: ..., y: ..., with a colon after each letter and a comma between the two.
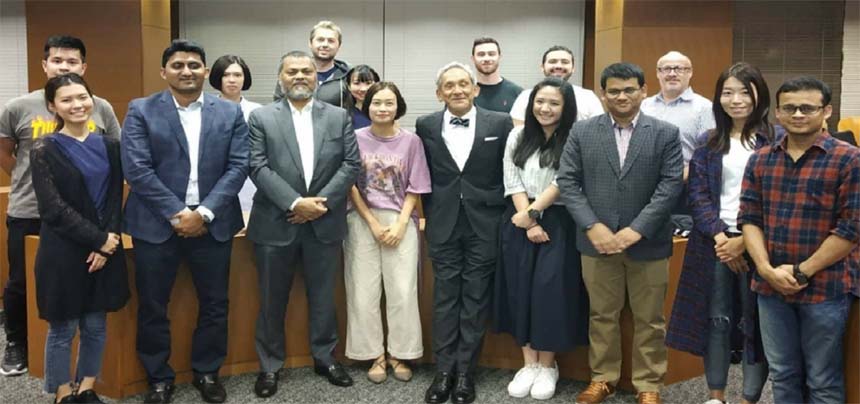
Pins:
x: 185, y: 157
x: 304, y: 160
x: 324, y: 42
x: 558, y: 62
x: 497, y: 93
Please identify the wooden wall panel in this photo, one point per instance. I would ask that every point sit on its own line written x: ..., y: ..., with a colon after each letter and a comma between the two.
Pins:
x: 111, y: 31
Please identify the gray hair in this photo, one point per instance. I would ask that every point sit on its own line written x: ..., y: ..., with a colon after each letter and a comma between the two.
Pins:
x: 454, y: 65
x: 294, y: 54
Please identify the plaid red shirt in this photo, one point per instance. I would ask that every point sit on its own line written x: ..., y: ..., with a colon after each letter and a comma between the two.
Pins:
x: 799, y: 204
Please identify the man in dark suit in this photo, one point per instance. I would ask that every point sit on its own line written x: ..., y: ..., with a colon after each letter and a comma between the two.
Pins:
x: 620, y: 176
x: 185, y: 157
x: 304, y: 160
x: 464, y: 146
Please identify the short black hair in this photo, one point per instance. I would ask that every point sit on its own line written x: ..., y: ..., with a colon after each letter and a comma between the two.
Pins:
x: 802, y: 83
x: 483, y: 40
x: 220, y: 66
x: 65, y: 42
x: 624, y: 71
x: 377, y: 87
x: 182, y: 45
x: 557, y: 48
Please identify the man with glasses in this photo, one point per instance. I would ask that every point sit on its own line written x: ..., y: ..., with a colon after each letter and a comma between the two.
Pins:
x: 625, y: 242
x: 800, y: 217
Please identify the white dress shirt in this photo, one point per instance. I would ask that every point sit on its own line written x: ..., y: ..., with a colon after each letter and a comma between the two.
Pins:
x: 531, y: 178
x: 457, y: 138
x: 303, y: 125
x: 191, y: 119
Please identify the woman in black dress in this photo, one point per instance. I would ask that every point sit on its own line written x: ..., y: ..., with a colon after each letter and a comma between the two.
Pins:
x: 80, y: 265
x: 540, y: 298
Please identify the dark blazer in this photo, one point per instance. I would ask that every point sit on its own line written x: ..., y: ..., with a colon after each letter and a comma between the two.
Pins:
x: 479, y: 184
x: 846, y: 136
x: 276, y: 169
x: 156, y: 165
x: 595, y: 188
x: 688, y: 328
x: 71, y: 230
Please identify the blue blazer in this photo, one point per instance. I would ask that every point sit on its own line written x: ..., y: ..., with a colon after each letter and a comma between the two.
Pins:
x: 156, y: 166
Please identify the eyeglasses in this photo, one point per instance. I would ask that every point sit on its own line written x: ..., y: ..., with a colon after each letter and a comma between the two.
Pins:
x: 629, y: 91
x: 676, y: 69
x: 805, y: 109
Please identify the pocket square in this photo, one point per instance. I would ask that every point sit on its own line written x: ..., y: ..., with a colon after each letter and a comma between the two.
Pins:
x: 490, y: 139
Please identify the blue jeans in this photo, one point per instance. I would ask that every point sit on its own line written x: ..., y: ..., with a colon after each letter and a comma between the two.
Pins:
x: 803, y: 345
x: 718, y: 353
x: 58, y: 349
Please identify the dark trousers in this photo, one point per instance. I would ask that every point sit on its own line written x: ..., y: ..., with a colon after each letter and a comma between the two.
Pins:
x: 463, y: 268
x: 276, y: 267
x: 155, y: 273
x: 15, y: 293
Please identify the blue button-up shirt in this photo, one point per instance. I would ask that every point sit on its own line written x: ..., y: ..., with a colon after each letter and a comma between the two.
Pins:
x: 690, y: 112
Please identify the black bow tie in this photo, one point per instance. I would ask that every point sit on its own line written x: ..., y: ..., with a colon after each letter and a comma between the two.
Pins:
x: 464, y: 122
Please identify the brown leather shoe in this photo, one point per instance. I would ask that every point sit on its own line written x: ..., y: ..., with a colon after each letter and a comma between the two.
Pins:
x: 648, y: 397
x: 595, y: 393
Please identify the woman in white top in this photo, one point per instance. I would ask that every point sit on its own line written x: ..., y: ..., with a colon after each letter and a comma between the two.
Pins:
x: 540, y: 298
x: 230, y: 75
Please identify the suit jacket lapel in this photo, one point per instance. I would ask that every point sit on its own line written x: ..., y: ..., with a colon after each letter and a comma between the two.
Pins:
x: 288, y: 130
x: 641, y: 134
x: 207, y: 115
x: 610, y: 146
x: 319, y: 133
x: 480, y: 134
x: 172, y: 116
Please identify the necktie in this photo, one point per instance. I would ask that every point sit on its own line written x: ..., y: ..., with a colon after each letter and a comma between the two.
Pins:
x: 456, y: 121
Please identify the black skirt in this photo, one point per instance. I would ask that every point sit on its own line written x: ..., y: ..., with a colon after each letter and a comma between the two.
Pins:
x: 540, y: 297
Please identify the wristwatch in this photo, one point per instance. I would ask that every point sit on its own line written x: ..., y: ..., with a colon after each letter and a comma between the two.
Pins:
x: 799, y: 276
x: 534, y: 213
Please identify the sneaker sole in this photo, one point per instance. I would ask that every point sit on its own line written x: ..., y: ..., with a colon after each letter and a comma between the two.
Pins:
x: 544, y: 396
x: 12, y: 373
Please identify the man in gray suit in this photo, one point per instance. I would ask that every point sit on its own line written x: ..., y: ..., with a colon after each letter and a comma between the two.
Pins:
x: 304, y: 159
x: 620, y: 176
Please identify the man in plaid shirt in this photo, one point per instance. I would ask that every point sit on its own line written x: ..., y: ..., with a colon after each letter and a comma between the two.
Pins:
x: 800, y: 217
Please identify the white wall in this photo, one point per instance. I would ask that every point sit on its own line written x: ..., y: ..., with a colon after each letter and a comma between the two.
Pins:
x: 851, y: 61
x: 13, y: 50
x: 406, y: 41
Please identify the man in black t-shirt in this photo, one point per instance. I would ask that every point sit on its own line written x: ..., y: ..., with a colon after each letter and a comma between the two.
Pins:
x: 497, y: 93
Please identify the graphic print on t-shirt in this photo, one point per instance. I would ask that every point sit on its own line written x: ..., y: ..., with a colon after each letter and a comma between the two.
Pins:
x: 383, y: 174
x: 41, y: 126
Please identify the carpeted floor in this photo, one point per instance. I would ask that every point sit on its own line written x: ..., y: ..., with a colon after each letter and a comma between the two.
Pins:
x: 304, y: 386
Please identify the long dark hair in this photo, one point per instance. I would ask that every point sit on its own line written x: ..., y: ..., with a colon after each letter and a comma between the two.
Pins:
x: 55, y: 84
x: 751, y: 77
x: 532, y: 138
x: 365, y: 74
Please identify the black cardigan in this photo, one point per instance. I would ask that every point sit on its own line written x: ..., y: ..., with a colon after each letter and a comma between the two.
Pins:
x: 71, y: 230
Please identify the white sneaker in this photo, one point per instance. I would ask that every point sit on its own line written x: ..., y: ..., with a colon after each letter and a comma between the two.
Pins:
x: 523, y: 380
x: 543, y: 387
x: 714, y: 401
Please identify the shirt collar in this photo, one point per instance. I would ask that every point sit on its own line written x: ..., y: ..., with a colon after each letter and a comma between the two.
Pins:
x: 823, y: 142
x: 686, y: 96
x: 306, y: 108
x: 194, y: 104
x: 632, y: 123
x: 469, y: 115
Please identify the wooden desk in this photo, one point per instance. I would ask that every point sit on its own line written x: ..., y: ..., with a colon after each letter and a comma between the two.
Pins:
x: 122, y: 374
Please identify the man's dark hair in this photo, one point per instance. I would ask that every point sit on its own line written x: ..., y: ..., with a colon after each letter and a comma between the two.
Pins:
x: 182, y: 45
x: 65, y: 42
x: 622, y: 71
x: 802, y: 83
x: 557, y: 48
x: 216, y: 73
x: 483, y: 40
x: 297, y: 54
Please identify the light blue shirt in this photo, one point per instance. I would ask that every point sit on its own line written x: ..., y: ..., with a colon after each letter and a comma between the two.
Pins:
x: 690, y: 112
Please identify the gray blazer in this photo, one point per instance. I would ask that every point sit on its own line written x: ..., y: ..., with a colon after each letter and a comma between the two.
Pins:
x: 276, y: 170
x: 595, y: 188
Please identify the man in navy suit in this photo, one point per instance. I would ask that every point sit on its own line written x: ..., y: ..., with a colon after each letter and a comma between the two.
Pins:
x: 185, y: 157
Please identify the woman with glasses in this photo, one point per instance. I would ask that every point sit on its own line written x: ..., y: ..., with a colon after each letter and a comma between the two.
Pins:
x: 714, y: 306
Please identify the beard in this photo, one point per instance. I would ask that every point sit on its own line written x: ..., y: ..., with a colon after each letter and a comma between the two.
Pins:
x: 299, y: 92
x: 488, y: 69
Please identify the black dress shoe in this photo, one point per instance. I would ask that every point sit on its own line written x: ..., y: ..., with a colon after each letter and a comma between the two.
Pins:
x: 88, y: 397
x: 439, y: 391
x: 464, y: 391
x: 161, y: 392
x: 211, y: 389
x: 67, y: 399
x: 335, y: 374
x: 266, y: 385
